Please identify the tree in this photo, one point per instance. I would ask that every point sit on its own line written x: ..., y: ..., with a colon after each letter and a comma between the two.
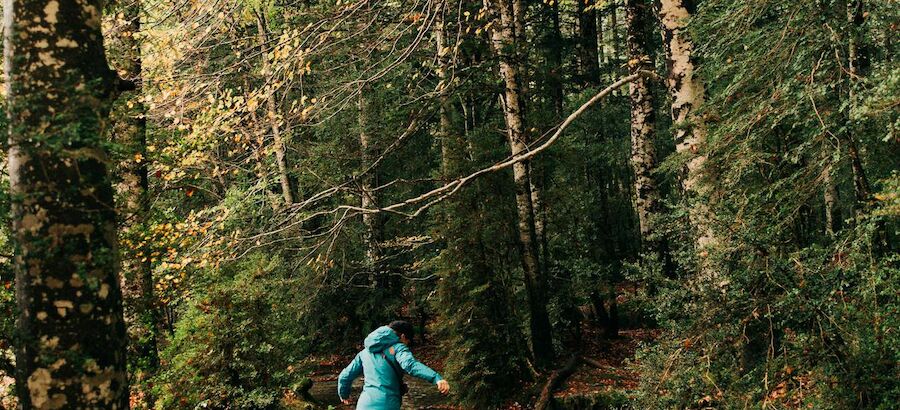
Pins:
x: 643, y: 153
x: 273, y: 114
x: 551, y: 45
x: 129, y: 131
x: 589, y: 64
x: 505, y: 45
x: 372, y: 222
x: 687, y: 93
x: 72, y: 348
x: 856, y: 59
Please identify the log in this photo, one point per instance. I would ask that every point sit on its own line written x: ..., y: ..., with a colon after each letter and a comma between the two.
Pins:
x: 591, y: 362
x: 303, y: 391
x: 556, y: 379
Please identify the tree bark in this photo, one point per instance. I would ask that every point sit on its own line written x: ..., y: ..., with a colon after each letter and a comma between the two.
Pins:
x: 855, y: 63
x: 643, y: 153
x: 589, y: 68
x: 536, y: 181
x: 830, y: 196
x: 601, y: 50
x: 613, y: 10
x: 273, y: 115
x: 372, y: 221
x: 687, y: 92
x: 442, y: 50
x: 551, y: 44
x: 71, y: 351
x: 502, y: 38
x: 130, y: 130
x: 519, y: 7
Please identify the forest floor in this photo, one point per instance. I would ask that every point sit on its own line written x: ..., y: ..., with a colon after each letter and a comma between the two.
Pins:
x: 609, y: 373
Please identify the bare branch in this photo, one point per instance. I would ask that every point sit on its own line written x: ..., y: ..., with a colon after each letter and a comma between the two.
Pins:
x: 436, y: 195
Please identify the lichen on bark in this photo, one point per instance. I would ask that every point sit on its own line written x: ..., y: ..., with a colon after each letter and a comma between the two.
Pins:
x: 71, y: 336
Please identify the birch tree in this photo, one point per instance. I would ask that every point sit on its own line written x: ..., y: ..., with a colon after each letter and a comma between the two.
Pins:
x: 643, y: 154
x: 686, y: 91
x: 503, y: 40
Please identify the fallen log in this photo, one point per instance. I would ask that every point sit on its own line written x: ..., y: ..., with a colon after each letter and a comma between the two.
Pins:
x: 556, y: 379
x: 303, y: 390
x: 591, y: 362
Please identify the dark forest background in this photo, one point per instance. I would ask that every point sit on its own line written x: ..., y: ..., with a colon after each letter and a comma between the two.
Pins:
x: 290, y: 174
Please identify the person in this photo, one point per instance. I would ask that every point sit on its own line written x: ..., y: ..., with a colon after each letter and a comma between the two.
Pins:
x: 382, y: 362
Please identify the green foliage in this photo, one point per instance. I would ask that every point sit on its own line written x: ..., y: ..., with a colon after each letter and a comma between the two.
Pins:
x: 237, y: 344
x: 254, y: 286
x: 792, y: 317
x: 479, y: 326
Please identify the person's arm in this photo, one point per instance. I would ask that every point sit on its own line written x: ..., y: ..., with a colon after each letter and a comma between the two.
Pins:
x: 412, y: 367
x: 348, y: 375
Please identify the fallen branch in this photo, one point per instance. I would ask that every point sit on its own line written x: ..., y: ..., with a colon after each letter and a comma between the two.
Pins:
x: 556, y: 379
x: 591, y: 362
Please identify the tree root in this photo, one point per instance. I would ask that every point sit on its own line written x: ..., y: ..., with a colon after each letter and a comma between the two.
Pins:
x: 556, y: 379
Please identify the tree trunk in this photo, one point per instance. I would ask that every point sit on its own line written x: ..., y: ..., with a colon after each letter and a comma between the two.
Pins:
x: 601, y: 50
x: 443, y: 67
x: 372, y: 222
x: 830, y: 196
x: 856, y: 61
x: 519, y: 7
x: 260, y: 167
x: 643, y: 154
x: 613, y: 10
x: 502, y: 38
x: 551, y: 48
x: 273, y: 115
x: 536, y: 180
x: 551, y: 44
x: 589, y: 68
x: 130, y: 130
x: 71, y: 349
x: 687, y: 94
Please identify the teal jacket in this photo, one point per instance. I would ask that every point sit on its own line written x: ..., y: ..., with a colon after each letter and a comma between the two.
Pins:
x: 381, y: 388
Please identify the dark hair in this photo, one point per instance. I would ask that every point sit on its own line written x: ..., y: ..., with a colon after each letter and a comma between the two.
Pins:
x: 403, y: 327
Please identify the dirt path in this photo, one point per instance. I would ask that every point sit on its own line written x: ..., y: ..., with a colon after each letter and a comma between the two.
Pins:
x: 607, y: 375
x: 422, y: 395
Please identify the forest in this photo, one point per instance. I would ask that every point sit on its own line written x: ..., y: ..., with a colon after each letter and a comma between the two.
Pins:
x: 575, y: 204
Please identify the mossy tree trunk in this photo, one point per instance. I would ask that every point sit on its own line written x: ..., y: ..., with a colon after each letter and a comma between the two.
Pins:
x: 129, y: 129
x: 856, y: 61
x: 443, y: 52
x: 373, y: 222
x: 71, y: 351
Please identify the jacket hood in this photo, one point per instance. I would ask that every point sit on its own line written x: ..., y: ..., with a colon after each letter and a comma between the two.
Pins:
x: 381, y: 339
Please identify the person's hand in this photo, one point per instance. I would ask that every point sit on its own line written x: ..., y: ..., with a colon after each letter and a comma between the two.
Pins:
x: 443, y: 386
x: 345, y: 401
